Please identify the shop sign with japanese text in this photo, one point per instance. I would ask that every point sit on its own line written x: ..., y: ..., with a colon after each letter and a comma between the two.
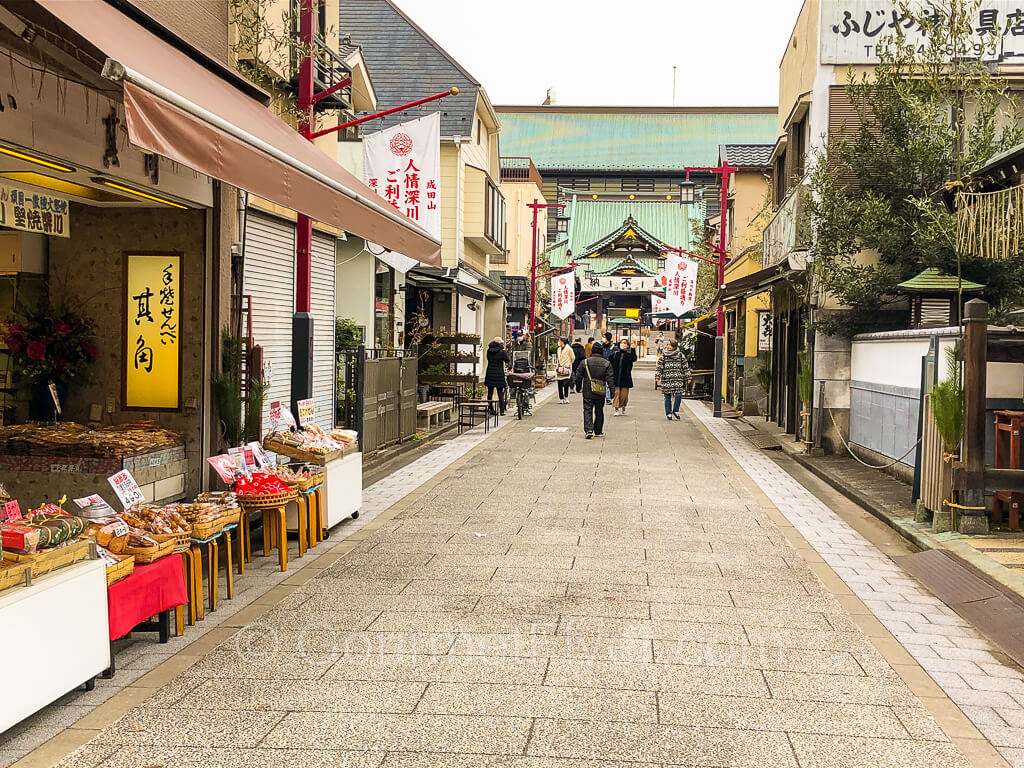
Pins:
x: 620, y: 283
x: 152, y: 331
x: 857, y: 31
x: 680, y: 284
x: 563, y: 295
x: 764, y: 331
x: 402, y: 164
x: 34, y: 212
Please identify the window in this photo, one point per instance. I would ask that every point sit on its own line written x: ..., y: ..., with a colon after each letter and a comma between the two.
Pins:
x: 798, y: 147
x: 781, y: 186
x: 494, y: 216
x: 638, y: 185
x: 478, y: 130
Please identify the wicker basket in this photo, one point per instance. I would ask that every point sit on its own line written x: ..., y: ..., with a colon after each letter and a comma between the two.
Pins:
x: 52, y: 559
x: 120, y: 570
x: 207, y: 530
x: 312, y: 482
x: 261, y: 502
x: 181, y: 540
x: 232, y: 516
x: 12, y: 574
x: 298, y: 454
x: 146, y: 555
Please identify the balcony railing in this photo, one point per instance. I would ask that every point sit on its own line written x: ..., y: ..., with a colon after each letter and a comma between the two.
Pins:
x: 328, y: 70
x: 520, y: 169
x: 786, y: 232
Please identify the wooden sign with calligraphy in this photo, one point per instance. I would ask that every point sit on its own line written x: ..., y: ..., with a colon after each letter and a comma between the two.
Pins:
x: 151, y: 344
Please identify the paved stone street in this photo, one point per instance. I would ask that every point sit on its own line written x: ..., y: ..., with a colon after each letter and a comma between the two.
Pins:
x: 548, y: 599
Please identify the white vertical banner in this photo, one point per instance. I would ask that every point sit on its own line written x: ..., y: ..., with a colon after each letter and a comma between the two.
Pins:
x: 402, y: 164
x: 658, y: 303
x: 680, y: 284
x: 563, y: 295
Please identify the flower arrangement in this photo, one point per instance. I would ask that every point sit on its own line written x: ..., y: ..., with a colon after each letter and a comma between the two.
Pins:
x: 51, y: 343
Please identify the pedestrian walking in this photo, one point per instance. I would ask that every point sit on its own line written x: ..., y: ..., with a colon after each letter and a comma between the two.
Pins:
x: 563, y: 371
x: 597, y: 378
x: 589, y: 349
x: 581, y: 354
x: 673, y: 372
x: 494, y: 377
x: 622, y: 360
x: 609, y: 347
x: 660, y: 344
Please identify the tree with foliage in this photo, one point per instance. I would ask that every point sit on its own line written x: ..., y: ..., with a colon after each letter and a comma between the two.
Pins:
x: 923, y: 119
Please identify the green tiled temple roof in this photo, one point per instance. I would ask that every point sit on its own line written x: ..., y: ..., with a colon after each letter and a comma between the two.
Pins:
x: 933, y: 280
x: 591, y: 222
x: 643, y: 139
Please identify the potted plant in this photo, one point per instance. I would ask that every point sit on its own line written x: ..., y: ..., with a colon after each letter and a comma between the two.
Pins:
x: 948, y: 406
x: 50, y: 343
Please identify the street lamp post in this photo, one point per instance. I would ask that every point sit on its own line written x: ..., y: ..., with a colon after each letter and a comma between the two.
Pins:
x: 536, y: 206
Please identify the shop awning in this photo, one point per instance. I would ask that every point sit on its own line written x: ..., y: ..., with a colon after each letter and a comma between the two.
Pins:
x: 760, y: 281
x: 177, y: 108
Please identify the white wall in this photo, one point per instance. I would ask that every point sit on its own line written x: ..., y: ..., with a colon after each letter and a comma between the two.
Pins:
x: 354, y: 280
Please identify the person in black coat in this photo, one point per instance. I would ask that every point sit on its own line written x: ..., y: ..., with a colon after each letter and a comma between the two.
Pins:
x: 498, y: 362
x: 622, y: 360
x: 581, y: 354
x: 594, y: 369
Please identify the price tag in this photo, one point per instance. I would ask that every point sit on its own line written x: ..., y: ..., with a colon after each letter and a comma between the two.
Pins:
x: 275, y: 411
x: 238, y: 457
x: 262, y: 462
x: 225, y: 467
x: 126, y: 488
x: 86, y: 501
x: 55, y: 396
x: 11, y: 511
x: 121, y: 529
x: 280, y: 414
x: 307, y: 410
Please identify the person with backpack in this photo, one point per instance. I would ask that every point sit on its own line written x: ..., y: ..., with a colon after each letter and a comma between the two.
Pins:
x: 672, y: 371
x: 581, y: 354
x: 597, y: 376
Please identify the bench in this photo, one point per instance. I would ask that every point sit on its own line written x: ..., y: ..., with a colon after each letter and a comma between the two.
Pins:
x: 430, y: 414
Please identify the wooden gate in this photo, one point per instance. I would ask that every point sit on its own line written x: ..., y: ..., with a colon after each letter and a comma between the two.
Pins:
x: 383, y: 407
x: 933, y: 479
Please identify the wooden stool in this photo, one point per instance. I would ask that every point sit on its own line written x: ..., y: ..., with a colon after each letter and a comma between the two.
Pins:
x: 212, y: 566
x: 193, y: 583
x: 302, y: 522
x: 229, y: 570
x: 314, y: 501
x: 275, y: 533
x: 244, y: 541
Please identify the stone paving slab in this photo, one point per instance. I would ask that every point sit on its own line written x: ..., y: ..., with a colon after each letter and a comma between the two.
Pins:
x: 568, y: 662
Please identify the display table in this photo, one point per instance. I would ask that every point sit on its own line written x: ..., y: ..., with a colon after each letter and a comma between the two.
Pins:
x: 55, y: 638
x: 150, y: 590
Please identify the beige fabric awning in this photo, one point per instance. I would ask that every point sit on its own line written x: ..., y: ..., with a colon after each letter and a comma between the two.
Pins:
x: 177, y: 108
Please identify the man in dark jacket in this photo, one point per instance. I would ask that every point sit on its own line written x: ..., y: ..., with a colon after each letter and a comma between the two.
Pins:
x: 581, y: 354
x: 494, y: 377
x: 594, y: 369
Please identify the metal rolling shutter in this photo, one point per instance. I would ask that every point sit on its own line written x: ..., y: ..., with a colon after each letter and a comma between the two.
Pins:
x: 322, y: 306
x: 270, y: 279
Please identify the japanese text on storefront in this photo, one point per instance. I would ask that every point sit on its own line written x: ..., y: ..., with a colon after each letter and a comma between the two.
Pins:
x: 34, y: 212
x: 563, y: 295
x: 857, y: 31
x: 152, y: 333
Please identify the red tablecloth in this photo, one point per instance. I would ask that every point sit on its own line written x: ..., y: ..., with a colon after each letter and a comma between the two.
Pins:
x: 150, y: 590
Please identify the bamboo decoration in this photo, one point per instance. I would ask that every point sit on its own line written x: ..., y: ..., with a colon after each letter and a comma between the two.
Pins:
x: 990, y: 225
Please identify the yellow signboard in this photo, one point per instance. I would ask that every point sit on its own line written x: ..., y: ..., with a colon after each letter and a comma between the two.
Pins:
x: 152, y: 344
x: 634, y: 313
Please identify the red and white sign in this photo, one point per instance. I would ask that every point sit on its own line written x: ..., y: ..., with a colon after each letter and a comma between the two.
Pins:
x: 402, y: 164
x: 563, y: 295
x: 126, y: 488
x: 11, y: 511
x: 658, y: 303
x: 225, y: 467
x: 680, y: 284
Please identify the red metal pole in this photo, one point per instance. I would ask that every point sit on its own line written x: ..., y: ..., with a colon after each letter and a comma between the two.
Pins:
x: 533, y: 265
x: 725, y: 174
x: 334, y: 88
x: 304, y: 226
x: 450, y: 92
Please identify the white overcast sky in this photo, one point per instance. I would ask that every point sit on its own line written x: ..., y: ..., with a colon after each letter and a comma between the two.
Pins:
x: 606, y: 52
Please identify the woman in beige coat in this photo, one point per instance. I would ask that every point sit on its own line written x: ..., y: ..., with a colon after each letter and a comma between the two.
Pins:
x: 563, y: 372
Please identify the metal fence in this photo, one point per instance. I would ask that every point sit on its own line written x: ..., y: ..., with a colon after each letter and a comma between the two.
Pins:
x: 377, y: 395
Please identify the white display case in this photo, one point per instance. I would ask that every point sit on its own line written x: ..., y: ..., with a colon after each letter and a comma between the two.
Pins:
x: 342, y: 493
x: 56, y: 637
x: 343, y: 489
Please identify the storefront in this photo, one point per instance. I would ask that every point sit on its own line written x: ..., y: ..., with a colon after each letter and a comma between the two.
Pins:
x: 118, y: 229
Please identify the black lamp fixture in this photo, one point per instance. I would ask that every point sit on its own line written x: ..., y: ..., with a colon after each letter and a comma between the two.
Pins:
x: 687, y: 192
x: 562, y: 224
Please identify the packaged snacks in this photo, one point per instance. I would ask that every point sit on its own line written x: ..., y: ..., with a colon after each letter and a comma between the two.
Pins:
x: 19, y: 538
x: 261, y: 484
x: 162, y: 520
